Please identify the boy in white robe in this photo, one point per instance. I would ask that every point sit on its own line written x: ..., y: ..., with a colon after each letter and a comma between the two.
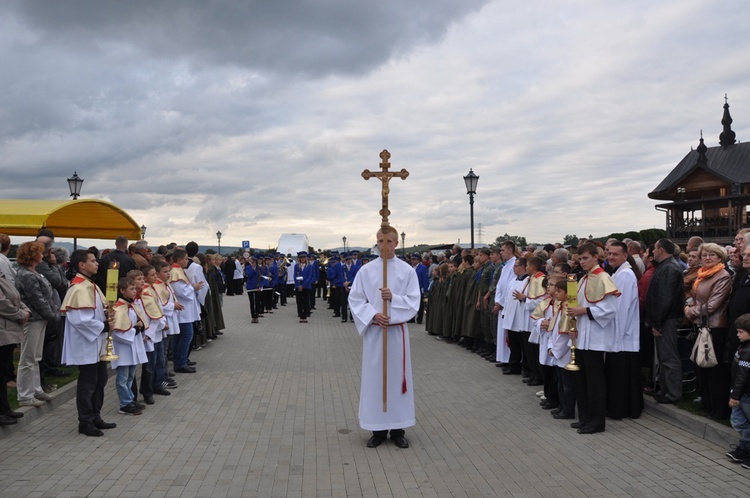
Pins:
x: 127, y: 337
x: 595, y: 321
x: 86, y: 327
x: 169, y: 305
x: 366, y: 305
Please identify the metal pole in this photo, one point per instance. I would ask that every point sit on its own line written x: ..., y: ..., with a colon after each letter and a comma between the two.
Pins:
x: 471, y: 208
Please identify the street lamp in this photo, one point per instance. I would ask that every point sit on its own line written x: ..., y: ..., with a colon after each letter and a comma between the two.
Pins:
x: 143, y: 232
x: 344, y: 240
x: 218, y: 238
x: 74, y: 184
x: 403, y: 244
x: 471, y: 181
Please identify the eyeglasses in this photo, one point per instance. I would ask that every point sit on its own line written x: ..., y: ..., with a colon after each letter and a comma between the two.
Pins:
x: 709, y: 255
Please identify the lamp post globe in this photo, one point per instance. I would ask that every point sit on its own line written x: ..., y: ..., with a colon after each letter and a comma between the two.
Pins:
x: 74, y: 184
x: 143, y: 232
x: 343, y: 239
x: 403, y: 244
x: 218, y: 238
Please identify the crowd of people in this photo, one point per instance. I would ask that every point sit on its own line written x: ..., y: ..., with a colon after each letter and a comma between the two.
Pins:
x: 630, y: 325
x: 608, y: 312
x: 60, y: 313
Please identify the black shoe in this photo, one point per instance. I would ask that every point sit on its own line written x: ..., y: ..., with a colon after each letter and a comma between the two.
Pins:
x: 59, y: 373
x: 587, y: 429
x: 192, y: 363
x: 534, y: 382
x: 549, y: 406
x: 140, y: 406
x: 161, y: 391
x: 576, y: 425
x: 149, y: 400
x: 400, y: 441
x: 562, y: 416
x: 343, y: 321
x: 12, y: 414
x: 6, y: 420
x: 170, y: 374
x: 664, y: 400
x: 101, y: 424
x: 90, y: 430
x: 738, y: 455
x: 218, y: 332
x: 556, y: 411
x: 337, y: 316
x: 510, y: 372
x: 130, y: 409
x: 185, y: 370
x: 170, y: 384
x: 375, y: 441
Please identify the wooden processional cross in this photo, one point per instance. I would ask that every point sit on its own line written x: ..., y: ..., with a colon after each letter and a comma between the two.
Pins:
x: 385, y: 176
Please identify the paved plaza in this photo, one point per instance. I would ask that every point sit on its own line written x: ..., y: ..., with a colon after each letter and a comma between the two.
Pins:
x: 272, y: 411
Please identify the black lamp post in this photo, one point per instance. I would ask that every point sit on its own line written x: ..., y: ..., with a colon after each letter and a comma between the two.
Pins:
x: 74, y: 184
x: 218, y: 238
x: 343, y: 239
x: 143, y: 232
x: 403, y: 244
x: 471, y: 181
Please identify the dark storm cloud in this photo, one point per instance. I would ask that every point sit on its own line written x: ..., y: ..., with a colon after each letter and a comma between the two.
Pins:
x: 314, y: 37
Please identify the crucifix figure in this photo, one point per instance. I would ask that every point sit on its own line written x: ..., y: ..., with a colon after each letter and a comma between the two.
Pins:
x: 385, y: 177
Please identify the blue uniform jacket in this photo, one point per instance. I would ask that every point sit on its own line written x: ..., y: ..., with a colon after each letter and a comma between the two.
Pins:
x: 335, y: 274
x: 252, y: 277
x: 423, y: 277
x: 304, y: 276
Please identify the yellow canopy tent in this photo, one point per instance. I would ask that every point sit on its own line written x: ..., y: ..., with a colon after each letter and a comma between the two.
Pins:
x: 82, y: 218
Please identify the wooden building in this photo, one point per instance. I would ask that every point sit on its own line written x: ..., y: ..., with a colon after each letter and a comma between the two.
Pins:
x: 709, y: 190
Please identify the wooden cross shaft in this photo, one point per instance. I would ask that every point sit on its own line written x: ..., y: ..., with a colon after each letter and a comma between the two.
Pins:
x: 385, y: 177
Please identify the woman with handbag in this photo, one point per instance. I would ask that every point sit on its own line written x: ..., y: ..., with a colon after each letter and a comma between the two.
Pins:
x: 711, y: 291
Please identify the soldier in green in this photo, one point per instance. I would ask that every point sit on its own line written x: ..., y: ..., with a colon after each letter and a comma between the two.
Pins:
x: 484, y: 279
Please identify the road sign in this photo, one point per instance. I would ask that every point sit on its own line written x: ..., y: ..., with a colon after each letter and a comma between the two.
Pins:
x: 245, y: 245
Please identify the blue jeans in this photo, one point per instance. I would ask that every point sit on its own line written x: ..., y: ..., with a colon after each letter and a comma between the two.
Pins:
x: 125, y: 375
x: 160, y: 367
x: 180, y: 354
x: 740, y: 419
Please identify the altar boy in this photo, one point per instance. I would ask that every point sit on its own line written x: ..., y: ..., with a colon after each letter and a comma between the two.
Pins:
x: 127, y: 338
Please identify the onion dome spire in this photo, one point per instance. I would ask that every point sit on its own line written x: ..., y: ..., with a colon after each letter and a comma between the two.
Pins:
x: 727, y: 137
x: 702, y: 151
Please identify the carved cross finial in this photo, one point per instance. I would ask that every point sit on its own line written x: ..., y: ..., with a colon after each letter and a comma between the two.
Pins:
x: 385, y: 176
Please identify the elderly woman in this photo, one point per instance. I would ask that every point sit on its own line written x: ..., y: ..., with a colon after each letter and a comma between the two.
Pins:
x: 37, y: 294
x: 711, y: 291
x: 13, y: 316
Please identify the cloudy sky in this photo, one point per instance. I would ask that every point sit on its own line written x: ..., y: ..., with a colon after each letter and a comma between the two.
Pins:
x: 257, y: 118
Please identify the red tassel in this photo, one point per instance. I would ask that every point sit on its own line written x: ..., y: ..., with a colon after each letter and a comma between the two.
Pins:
x: 403, y: 387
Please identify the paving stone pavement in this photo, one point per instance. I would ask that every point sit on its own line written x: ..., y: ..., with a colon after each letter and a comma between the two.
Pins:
x: 272, y: 411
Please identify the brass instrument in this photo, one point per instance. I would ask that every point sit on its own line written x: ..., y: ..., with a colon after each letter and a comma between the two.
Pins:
x: 572, y: 302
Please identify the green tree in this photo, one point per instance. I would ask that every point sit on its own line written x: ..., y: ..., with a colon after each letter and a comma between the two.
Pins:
x: 570, y: 240
x: 516, y: 239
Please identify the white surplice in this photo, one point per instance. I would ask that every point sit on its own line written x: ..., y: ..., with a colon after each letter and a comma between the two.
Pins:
x: 628, y: 314
x: 507, y: 275
x: 364, y: 303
